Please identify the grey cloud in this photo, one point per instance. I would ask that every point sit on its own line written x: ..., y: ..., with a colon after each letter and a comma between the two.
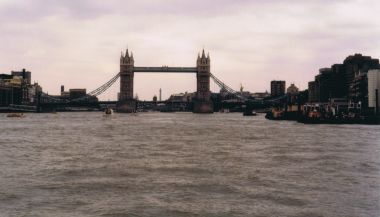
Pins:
x: 29, y: 11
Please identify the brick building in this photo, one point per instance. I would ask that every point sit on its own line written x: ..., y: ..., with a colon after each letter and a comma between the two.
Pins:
x: 277, y: 88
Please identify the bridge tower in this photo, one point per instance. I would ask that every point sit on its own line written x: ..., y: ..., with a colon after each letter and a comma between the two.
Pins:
x: 126, y: 102
x: 202, y: 102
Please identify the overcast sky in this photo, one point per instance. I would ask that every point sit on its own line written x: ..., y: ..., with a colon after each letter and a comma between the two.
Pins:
x: 78, y: 42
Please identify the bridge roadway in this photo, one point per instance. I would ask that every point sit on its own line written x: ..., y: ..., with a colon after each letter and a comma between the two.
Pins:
x: 166, y: 69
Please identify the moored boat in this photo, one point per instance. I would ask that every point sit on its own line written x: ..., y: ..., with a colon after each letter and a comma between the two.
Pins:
x: 15, y: 115
x: 275, y: 114
x: 108, y: 111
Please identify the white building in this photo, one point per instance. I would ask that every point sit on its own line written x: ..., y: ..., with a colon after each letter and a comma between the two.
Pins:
x: 373, y: 85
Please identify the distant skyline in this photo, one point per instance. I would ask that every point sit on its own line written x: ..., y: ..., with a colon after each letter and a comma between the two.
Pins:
x: 77, y: 43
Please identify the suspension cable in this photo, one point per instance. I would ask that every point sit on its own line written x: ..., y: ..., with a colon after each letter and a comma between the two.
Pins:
x: 227, y: 88
x: 91, y: 94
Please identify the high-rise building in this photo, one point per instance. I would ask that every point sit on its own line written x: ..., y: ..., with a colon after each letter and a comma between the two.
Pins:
x: 277, y: 88
x: 325, y: 84
x: 339, y: 89
x: 359, y: 90
x: 354, y: 66
x: 313, y: 92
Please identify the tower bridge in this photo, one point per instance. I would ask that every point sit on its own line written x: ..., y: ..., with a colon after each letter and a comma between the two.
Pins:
x: 126, y: 103
x: 202, y: 101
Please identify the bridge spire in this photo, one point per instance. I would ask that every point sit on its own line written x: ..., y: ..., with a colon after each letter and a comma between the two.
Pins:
x: 122, y: 58
x: 127, y: 53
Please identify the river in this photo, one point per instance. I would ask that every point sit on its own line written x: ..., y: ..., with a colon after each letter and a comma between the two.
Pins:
x: 184, y: 164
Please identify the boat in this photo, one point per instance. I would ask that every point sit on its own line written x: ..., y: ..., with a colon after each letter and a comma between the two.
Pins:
x: 316, y: 119
x: 275, y: 114
x: 314, y: 114
x: 15, y: 115
x: 249, y: 113
x: 108, y: 111
x: 224, y: 110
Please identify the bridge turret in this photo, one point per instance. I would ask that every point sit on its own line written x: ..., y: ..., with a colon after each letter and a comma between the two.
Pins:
x: 203, y: 60
x: 126, y: 59
x: 126, y: 76
x: 203, y: 98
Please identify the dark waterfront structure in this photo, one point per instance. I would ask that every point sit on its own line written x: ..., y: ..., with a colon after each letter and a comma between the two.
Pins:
x: 26, y: 75
x: 343, y: 93
x: 10, y: 95
x: 325, y: 84
x: 202, y: 101
x: 77, y: 93
x: 313, y: 92
x: 277, y: 88
x: 73, y: 93
x: 16, y: 89
x: 347, y: 80
x: 359, y: 90
x: 356, y: 65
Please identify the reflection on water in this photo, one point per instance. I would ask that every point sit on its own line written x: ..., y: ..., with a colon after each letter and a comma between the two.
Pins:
x: 157, y: 164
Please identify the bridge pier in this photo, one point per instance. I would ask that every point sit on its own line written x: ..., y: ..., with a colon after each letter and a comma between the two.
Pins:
x: 128, y: 106
x: 203, y: 107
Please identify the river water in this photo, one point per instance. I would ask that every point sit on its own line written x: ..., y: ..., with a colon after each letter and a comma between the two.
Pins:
x: 183, y: 164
